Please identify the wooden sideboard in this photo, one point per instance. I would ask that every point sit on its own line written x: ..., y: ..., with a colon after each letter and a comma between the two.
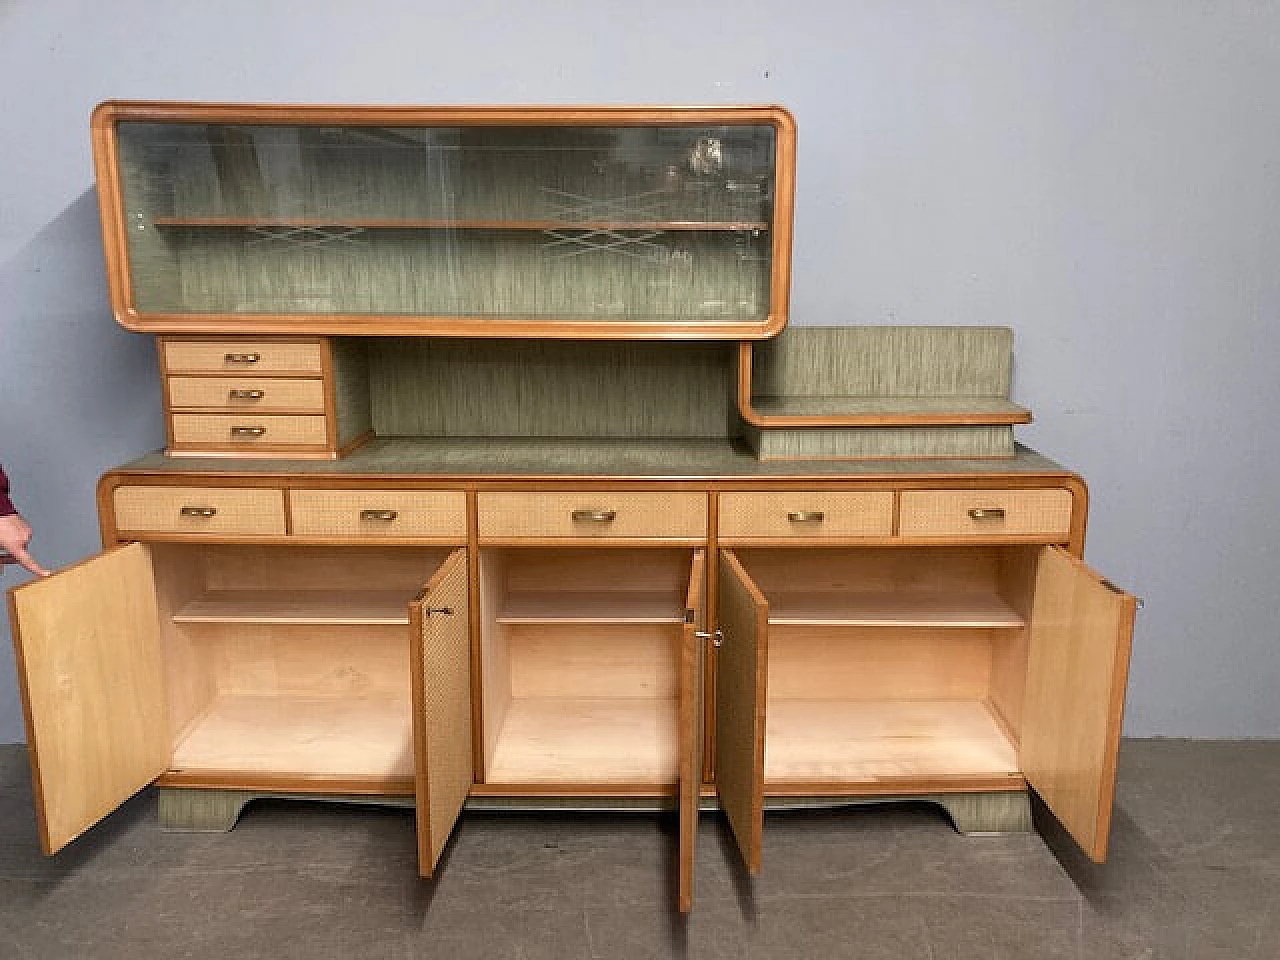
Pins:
x: 504, y: 567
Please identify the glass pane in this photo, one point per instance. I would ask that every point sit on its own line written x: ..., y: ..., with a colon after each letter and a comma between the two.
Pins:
x: 504, y: 223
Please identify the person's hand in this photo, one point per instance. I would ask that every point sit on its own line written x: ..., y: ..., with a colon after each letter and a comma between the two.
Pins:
x: 15, y: 534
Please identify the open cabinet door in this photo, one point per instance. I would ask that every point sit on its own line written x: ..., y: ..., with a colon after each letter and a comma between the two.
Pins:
x: 87, y: 642
x: 440, y: 628
x: 693, y: 660
x: 1077, y: 671
x: 741, y: 663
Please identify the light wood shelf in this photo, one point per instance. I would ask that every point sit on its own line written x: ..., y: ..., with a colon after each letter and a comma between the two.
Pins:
x: 307, y: 736
x: 352, y: 607
x: 598, y: 606
x: 906, y: 608
x: 579, y: 740
x: 860, y: 741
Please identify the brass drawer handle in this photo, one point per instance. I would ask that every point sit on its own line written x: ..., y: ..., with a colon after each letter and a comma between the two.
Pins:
x: 378, y: 515
x: 242, y: 357
x: 248, y: 431
x: 198, y: 511
x: 246, y: 394
x: 987, y: 513
x: 593, y: 516
x: 806, y: 516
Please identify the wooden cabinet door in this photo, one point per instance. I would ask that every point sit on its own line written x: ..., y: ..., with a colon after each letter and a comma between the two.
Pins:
x: 741, y: 663
x: 1078, y: 667
x: 87, y: 642
x: 693, y: 660
x: 440, y: 628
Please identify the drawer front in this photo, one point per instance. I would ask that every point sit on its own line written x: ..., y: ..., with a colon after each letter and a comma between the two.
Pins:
x: 230, y: 431
x: 985, y: 513
x: 379, y: 513
x: 242, y: 356
x: 212, y: 510
x: 799, y: 514
x: 232, y: 393
x: 589, y: 513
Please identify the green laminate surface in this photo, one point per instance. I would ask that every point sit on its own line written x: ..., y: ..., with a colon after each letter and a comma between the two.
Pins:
x: 827, y: 406
x: 914, y: 441
x: 651, y: 459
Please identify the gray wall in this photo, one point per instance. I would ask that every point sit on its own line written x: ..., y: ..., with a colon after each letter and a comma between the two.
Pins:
x: 1102, y: 176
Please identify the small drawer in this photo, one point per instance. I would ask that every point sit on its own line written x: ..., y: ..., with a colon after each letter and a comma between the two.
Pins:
x: 986, y: 513
x: 592, y: 513
x: 252, y: 511
x: 379, y: 513
x: 267, y: 394
x: 798, y: 514
x: 230, y: 431
x: 243, y: 356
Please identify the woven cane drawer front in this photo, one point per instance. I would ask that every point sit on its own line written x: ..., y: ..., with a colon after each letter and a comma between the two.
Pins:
x: 210, y: 510
x: 592, y: 514
x: 246, y: 430
x: 793, y: 515
x: 243, y: 356
x: 235, y: 394
x: 986, y: 513
x: 379, y: 513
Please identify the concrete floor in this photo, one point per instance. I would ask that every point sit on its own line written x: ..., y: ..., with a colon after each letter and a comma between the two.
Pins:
x: 1194, y: 873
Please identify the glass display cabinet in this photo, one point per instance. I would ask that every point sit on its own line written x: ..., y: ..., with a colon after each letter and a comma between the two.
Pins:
x: 602, y: 223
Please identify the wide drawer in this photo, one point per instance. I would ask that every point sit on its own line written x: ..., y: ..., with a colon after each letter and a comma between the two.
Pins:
x: 214, y: 510
x: 242, y: 356
x: 379, y: 513
x: 592, y: 514
x: 807, y: 513
x: 268, y: 394
x: 986, y: 513
x: 245, y: 430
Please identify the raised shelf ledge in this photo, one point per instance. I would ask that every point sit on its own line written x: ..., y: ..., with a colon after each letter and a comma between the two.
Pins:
x: 907, y: 608
x: 342, y: 607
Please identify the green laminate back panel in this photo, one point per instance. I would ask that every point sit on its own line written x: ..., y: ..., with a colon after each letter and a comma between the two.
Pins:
x: 885, y: 362
x: 555, y: 389
x: 817, y: 443
x: 586, y: 459
x: 351, y: 388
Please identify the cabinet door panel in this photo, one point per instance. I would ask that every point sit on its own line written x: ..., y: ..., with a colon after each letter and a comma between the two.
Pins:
x: 87, y: 642
x: 740, y: 704
x: 692, y: 668
x: 1078, y: 668
x: 440, y: 624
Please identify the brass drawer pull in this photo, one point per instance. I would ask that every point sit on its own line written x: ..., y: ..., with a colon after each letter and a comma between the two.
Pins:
x: 242, y: 357
x: 593, y: 516
x: 248, y: 431
x: 198, y: 511
x: 246, y: 394
x: 987, y: 513
x: 387, y: 515
x: 806, y: 516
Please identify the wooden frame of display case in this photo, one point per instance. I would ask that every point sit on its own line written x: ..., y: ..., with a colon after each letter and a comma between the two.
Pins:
x: 115, y: 223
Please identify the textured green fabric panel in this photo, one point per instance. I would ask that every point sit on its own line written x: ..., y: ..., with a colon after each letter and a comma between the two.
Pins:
x: 654, y: 459
x: 885, y: 362
x: 551, y: 388
x: 351, y: 388
x: 821, y: 442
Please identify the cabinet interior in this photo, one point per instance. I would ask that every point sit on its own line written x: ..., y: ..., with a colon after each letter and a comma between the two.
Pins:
x: 290, y: 661
x: 894, y: 663
x: 580, y: 650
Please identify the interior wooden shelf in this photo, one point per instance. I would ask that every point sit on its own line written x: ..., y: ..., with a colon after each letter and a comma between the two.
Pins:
x: 616, y: 740
x: 872, y: 740
x: 600, y: 606
x: 968, y: 608
x: 354, y: 607
x: 733, y: 226
x: 310, y: 736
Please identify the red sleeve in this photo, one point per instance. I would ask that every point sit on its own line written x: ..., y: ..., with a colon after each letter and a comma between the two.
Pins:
x: 6, y: 505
